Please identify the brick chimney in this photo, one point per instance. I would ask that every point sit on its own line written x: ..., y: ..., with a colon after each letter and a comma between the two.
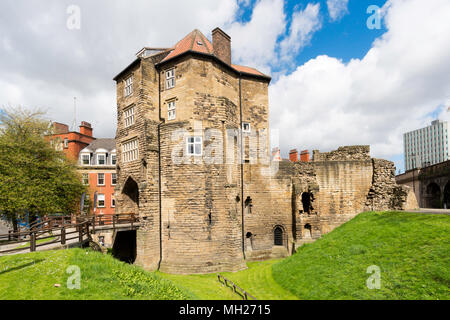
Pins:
x: 293, y: 155
x: 85, y: 128
x: 221, y: 45
x: 60, y: 128
x: 276, y: 156
x: 304, y: 156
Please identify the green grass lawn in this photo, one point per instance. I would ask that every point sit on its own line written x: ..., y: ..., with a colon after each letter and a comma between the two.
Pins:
x: 412, y: 251
x: 39, y: 241
x: 256, y: 280
x: 33, y: 276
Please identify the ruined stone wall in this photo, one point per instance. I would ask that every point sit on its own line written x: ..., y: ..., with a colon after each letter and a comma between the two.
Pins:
x: 343, y: 153
x: 384, y: 193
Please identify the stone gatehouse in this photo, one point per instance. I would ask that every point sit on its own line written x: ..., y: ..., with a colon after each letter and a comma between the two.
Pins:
x: 193, y: 161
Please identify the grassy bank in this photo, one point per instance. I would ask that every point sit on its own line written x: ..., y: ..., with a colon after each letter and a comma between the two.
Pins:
x: 412, y: 251
x: 34, y: 275
x: 256, y: 280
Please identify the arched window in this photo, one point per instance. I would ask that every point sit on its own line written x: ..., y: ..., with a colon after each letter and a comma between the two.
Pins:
x: 278, y: 236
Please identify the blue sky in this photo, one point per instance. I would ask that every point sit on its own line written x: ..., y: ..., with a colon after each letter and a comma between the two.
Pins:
x: 334, y: 81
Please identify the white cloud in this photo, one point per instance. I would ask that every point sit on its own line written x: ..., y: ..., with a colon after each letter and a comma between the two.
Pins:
x: 254, y: 42
x: 402, y: 79
x: 337, y: 9
x: 44, y: 64
x: 304, y: 24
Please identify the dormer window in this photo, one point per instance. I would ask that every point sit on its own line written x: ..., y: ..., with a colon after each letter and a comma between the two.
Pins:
x: 128, y: 89
x: 170, y: 78
x: 101, y: 159
x: 85, y: 159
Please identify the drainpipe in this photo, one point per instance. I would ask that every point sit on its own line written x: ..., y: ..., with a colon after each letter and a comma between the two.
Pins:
x: 159, y: 168
x: 242, y: 167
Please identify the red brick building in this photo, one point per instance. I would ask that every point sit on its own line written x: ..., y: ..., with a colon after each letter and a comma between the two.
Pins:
x: 98, y: 169
x: 71, y: 142
x: 97, y: 164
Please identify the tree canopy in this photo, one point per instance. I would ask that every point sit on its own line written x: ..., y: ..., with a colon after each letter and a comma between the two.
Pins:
x: 34, y: 177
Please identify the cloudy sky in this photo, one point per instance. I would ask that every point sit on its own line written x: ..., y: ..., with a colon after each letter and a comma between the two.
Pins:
x: 338, y: 77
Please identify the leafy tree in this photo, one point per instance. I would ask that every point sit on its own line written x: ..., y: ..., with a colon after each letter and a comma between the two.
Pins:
x: 34, y: 177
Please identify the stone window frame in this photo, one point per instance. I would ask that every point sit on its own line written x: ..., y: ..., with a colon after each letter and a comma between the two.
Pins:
x: 128, y: 86
x: 66, y: 143
x: 197, y: 140
x: 130, y: 150
x: 98, y: 179
x: 249, y: 127
x: 171, y: 106
x: 98, y: 200
x: 128, y: 116
x: 170, y: 78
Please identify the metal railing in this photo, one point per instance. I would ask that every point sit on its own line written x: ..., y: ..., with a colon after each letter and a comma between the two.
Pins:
x: 236, y: 289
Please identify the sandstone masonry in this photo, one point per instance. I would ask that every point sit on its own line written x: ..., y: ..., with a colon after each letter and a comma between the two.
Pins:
x: 194, y: 163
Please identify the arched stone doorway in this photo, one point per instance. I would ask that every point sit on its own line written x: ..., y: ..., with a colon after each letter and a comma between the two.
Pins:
x: 130, y: 193
x: 433, y: 196
x: 447, y: 196
x: 278, y: 236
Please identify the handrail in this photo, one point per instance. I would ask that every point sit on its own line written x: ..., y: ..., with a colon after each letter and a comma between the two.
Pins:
x: 244, y: 294
x: 81, y: 224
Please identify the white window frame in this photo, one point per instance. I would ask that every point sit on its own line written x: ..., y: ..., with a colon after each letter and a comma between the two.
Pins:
x: 98, y: 178
x: 113, y: 159
x: 130, y: 151
x: 89, y: 159
x: 170, y: 78
x: 113, y: 184
x: 113, y: 201
x: 191, y: 143
x: 244, y: 125
x: 101, y: 195
x: 128, y: 86
x: 171, y: 110
x: 128, y: 116
x: 104, y: 159
x: 83, y: 176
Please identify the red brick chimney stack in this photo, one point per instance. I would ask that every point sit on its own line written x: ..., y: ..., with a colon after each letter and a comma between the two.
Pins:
x: 304, y: 156
x: 293, y: 155
x: 60, y: 128
x: 221, y: 45
x: 86, y: 128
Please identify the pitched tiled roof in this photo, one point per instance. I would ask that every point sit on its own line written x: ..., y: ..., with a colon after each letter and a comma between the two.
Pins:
x: 197, y: 42
x: 102, y: 143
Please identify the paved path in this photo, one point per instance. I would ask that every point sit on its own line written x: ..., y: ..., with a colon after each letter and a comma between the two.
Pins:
x: 432, y: 211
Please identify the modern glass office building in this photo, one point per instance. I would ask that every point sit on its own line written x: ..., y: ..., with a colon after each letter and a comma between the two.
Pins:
x: 426, y: 146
